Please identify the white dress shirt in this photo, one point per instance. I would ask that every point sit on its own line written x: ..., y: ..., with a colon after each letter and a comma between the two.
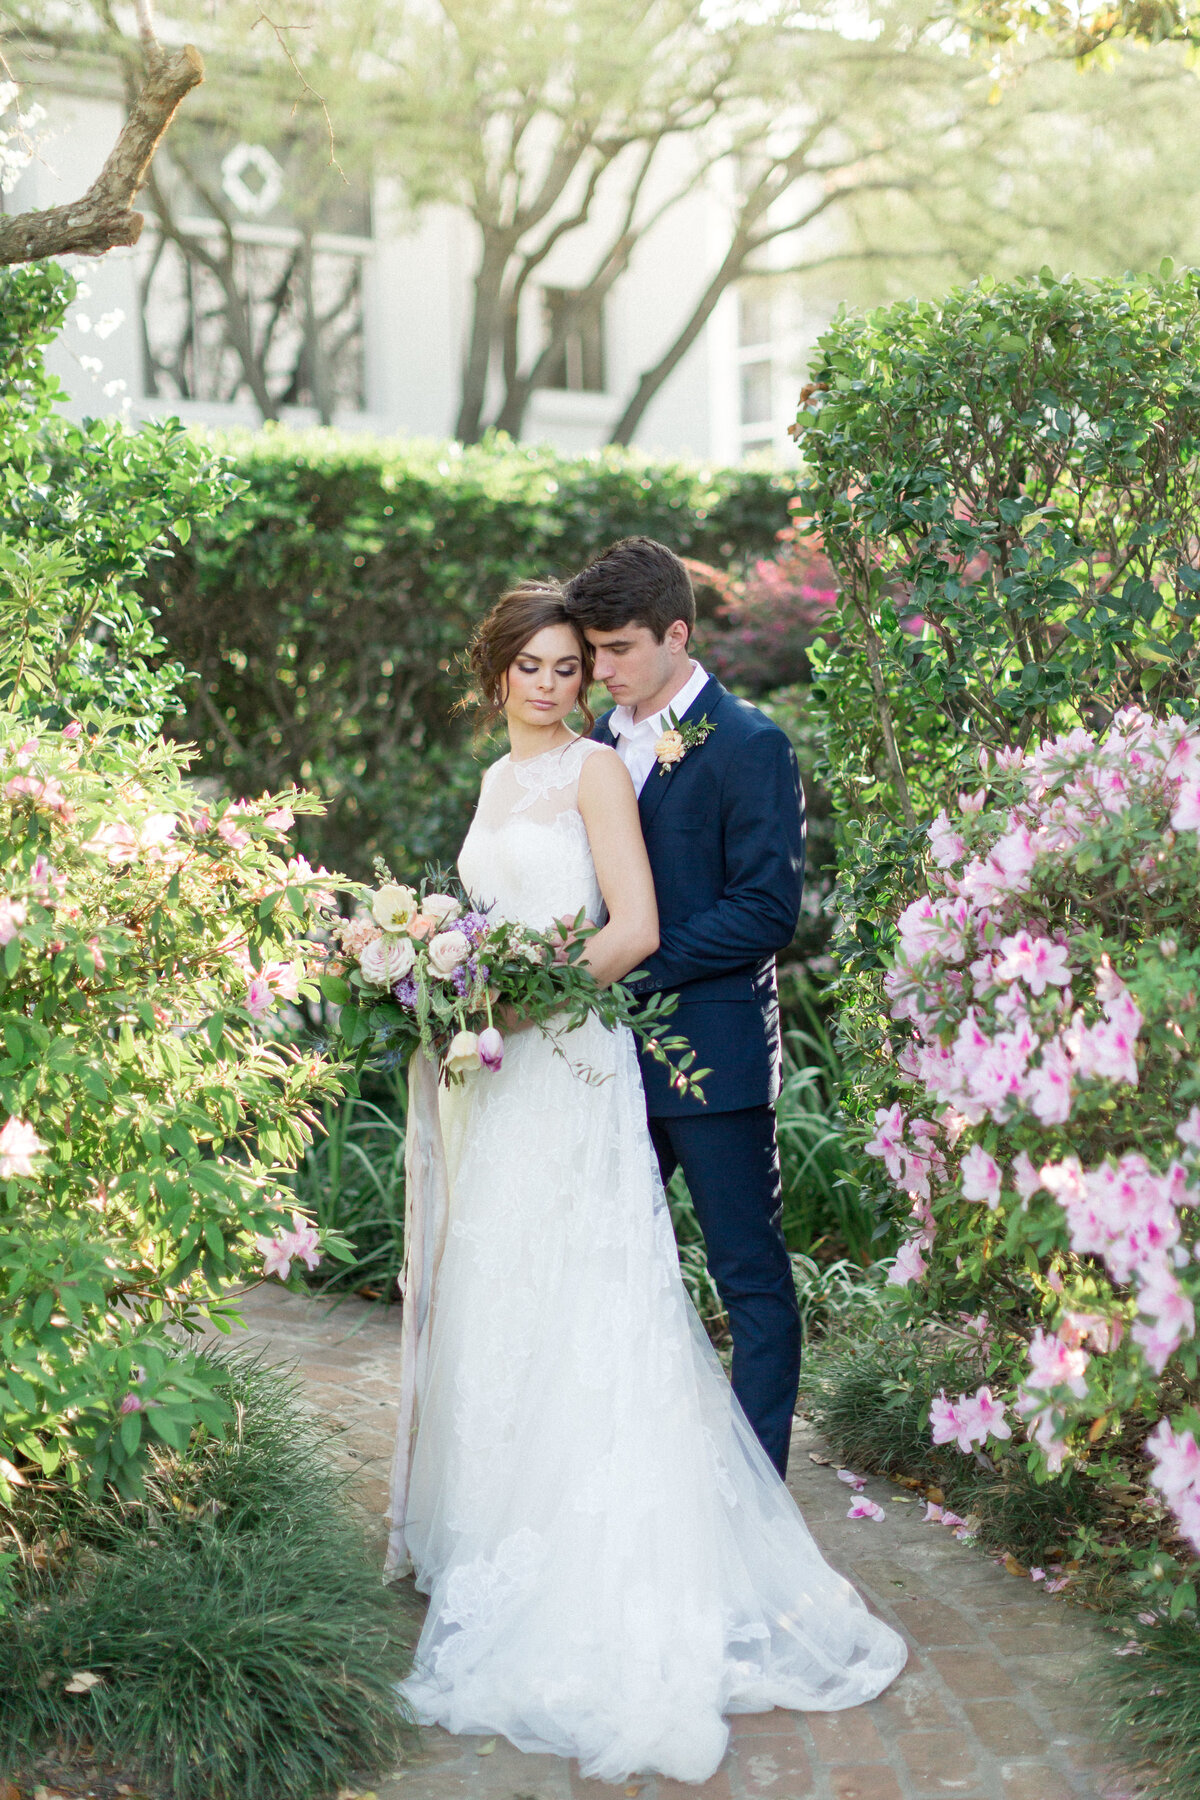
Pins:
x: 635, y: 742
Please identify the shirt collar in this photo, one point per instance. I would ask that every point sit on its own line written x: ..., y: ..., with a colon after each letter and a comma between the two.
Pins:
x: 621, y: 723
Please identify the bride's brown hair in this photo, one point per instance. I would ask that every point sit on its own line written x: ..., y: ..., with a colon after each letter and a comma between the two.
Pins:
x: 516, y: 617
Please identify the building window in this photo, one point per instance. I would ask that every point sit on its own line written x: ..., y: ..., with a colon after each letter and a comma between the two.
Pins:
x: 304, y: 310
x: 756, y: 393
x: 243, y: 298
x: 754, y: 314
x: 577, y: 321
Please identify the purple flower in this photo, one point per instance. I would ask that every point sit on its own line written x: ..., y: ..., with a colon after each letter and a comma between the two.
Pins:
x: 405, y: 992
x: 491, y: 1049
x: 475, y: 925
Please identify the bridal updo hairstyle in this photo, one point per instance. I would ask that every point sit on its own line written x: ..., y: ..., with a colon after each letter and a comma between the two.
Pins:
x: 634, y: 582
x: 517, y: 617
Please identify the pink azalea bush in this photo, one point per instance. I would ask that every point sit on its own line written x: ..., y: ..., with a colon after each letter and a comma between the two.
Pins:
x: 151, y: 1109
x: 1045, y: 998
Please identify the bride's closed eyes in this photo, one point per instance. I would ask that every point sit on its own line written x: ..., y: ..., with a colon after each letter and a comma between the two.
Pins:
x: 564, y: 670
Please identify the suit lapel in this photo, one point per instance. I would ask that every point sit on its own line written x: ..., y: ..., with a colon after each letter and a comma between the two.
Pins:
x: 656, y: 786
x: 602, y: 732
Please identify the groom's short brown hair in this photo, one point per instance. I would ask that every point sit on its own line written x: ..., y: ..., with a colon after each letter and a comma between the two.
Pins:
x: 634, y: 582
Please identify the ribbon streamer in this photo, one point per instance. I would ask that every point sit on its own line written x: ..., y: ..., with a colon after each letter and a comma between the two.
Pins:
x: 426, y: 1207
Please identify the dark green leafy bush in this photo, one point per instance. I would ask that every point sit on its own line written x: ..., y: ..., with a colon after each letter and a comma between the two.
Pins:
x: 1006, y: 485
x: 327, y: 609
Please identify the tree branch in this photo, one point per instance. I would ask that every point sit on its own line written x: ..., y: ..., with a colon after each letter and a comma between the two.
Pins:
x: 104, y: 217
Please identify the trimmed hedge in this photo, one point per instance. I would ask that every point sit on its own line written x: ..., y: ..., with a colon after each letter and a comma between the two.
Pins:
x: 326, y: 611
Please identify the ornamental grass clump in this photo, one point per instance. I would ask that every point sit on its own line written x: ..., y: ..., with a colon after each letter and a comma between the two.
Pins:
x: 223, y: 1637
x: 1046, y: 1004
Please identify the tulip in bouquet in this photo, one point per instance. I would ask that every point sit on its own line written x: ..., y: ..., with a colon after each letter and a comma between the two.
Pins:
x: 423, y: 970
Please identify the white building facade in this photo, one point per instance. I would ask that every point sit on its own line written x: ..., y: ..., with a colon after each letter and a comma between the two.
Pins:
x: 147, y: 336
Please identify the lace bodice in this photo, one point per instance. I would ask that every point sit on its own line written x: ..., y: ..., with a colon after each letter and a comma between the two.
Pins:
x: 526, y: 856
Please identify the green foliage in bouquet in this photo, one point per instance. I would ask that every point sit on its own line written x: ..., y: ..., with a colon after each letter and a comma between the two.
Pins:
x: 149, y: 1113
x: 426, y: 972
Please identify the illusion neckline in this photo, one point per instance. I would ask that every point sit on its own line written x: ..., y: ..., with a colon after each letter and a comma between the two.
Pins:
x: 527, y: 762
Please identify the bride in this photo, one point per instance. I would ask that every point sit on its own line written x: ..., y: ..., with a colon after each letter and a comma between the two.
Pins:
x: 613, y: 1563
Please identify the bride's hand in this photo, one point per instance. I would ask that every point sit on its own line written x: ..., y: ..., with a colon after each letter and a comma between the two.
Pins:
x: 510, y: 1020
x: 570, y: 933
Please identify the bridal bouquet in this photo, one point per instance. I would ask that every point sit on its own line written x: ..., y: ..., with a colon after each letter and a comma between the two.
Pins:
x: 422, y: 969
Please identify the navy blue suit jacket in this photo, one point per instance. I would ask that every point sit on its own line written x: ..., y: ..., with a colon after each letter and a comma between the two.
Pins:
x: 725, y: 835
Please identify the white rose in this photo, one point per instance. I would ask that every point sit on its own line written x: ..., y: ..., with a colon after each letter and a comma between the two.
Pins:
x: 388, y: 960
x: 443, y: 909
x: 393, y: 906
x: 447, y: 950
x: 463, y: 1054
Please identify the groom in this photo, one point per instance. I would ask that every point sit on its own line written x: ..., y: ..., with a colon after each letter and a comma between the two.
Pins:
x: 723, y: 817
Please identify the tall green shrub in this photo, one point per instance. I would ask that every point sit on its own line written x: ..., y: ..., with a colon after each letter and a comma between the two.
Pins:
x: 1006, y: 485
x: 326, y: 610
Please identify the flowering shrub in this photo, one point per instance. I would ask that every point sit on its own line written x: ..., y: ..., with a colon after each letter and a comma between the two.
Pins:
x: 767, y: 620
x: 1048, y: 987
x: 151, y: 1105
x: 149, y: 1113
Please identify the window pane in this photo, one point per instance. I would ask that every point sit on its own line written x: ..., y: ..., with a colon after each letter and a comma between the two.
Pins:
x: 754, y: 314
x: 578, y: 320
x: 756, y: 393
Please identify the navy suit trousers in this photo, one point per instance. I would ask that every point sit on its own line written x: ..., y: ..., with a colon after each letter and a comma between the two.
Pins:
x: 730, y: 1161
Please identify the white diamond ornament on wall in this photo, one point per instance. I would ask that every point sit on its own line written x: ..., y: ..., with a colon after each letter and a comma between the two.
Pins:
x: 252, y: 201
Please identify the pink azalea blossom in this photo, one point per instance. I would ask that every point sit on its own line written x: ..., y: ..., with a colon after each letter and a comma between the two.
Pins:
x: 303, y: 1241
x: 260, y: 997
x: 1034, y: 960
x: 1186, y: 813
x: 116, y: 841
x: 1048, y: 1091
x: 909, y: 1265
x: 980, y: 1176
x: 1189, y: 1132
x: 857, y: 1482
x: 13, y: 914
x: 1054, y: 1363
x: 862, y: 1508
x: 973, y: 803
x: 19, y: 1144
x: 1058, y: 1584
x: 887, y: 1142
x: 276, y: 1257
x: 282, y: 818
x: 933, y: 1513
x: 946, y: 845
x: 283, y: 978
x: 1025, y: 1177
x: 944, y: 1423
x: 1036, y: 1574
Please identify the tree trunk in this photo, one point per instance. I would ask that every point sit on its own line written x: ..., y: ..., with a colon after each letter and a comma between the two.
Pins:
x: 104, y: 217
x: 653, y: 378
x: 488, y: 282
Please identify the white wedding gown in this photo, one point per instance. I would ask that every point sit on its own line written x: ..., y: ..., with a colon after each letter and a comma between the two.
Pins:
x: 613, y: 1563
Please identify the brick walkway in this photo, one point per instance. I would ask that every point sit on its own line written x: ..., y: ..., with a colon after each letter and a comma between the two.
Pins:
x: 990, y: 1706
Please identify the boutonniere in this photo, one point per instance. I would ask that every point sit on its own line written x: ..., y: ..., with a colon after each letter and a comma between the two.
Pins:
x: 678, y: 739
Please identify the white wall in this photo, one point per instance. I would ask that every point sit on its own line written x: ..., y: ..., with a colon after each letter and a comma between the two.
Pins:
x: 417, y: 300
